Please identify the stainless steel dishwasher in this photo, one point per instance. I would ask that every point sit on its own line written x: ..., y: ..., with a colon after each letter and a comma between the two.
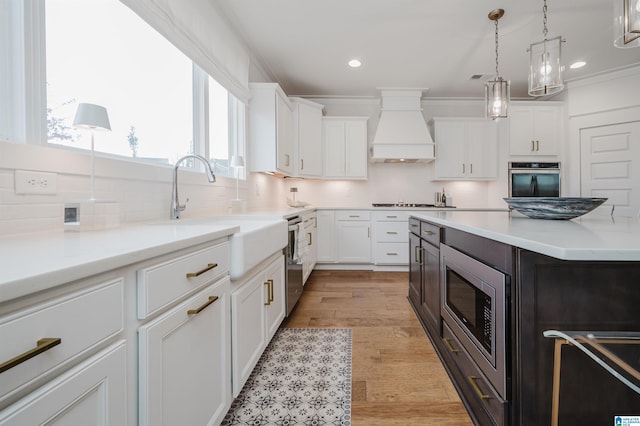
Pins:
x: 293, y: 264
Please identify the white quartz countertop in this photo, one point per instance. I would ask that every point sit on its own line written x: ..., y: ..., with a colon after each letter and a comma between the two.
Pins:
x: 586, y: 238
x: 35, y: 262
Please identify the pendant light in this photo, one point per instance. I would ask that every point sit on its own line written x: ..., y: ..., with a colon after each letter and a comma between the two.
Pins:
x: 626, y: 25
x: 497, y: 91
x: 545, y: 66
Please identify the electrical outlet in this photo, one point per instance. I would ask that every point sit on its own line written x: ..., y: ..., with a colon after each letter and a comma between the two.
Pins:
x: 35, y: 183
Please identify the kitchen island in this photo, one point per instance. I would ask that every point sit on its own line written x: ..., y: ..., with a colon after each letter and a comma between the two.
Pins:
x: 576, y: 275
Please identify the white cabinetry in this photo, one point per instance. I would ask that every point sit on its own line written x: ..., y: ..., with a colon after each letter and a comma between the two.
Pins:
x: 270, y: 130
x: 91, y: 393
x: 307, y: 137
x: 535, y: 129
x: 466, y: 148
x: 45, y: 339
x: 345, y: 147
x: 391, y: 237
x: 326, y: 240
x: 311, y: 238
x: 258, y: 306
x: 183, y: 360
x: 353, y: 236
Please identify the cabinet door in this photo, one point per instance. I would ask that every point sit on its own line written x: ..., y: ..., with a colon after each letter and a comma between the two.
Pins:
x: 354, y: 242
x: 482, y: 150
x: 275, y: 307
x: 431, y: 284
x: 284, y: 142
x: 334, y: 148
x: 356, y: 149
x: 248, y: 329
x: 184, y: 364
x: 450, y: 150
x: 309, y: 141
x: 415, y: 271
x: 92, y: 393
x: 534, y: 130
x: 326, y: 241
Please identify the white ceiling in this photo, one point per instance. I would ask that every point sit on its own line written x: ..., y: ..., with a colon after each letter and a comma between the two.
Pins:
x: 435, y: 44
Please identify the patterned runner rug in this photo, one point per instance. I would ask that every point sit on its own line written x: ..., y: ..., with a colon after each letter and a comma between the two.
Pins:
x: 303, y: 378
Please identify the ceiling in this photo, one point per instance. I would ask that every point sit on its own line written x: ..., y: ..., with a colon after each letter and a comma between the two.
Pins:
x: 436, y: 44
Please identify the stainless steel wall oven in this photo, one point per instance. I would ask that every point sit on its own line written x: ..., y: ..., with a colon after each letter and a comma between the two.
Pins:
x: 474, y: 306
x: 534, y: 179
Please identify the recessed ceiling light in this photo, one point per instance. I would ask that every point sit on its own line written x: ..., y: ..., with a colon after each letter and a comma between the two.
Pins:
x: 576, y: 65
x: 355, y: 63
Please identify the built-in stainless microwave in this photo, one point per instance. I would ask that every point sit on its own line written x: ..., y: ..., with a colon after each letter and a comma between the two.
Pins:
x: 534, y: 179
x: 474, y: 305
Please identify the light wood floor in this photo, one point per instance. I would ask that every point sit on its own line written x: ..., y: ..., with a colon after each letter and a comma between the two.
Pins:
x: 397, y: 376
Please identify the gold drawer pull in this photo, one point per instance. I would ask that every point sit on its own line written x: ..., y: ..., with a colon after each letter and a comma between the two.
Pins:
x: 392, y: 233
x: 270, y: 290
x: 414, y: 225
x: 42, y: 345
x: 209, y: 267
x: 203, y: 307
x: 392, y: 254
x: 392, y: 217
x: 450, y: 346
x: 269, y: 284
x: 472, y: 380
x: 428, y: 232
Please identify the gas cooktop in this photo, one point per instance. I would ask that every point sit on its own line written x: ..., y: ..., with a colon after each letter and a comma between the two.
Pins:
x: 402, y: 205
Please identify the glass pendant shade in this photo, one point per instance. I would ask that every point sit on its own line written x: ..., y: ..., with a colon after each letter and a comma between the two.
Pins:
x: 497, y: 93
x: 545, y: 68
x: 626, y: 25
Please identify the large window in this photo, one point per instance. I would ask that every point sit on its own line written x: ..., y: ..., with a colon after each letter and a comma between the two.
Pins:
x: 161, y: 106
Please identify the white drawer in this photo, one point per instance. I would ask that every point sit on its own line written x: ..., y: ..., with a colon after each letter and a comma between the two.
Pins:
x: 353, y: 215
x: 391, y: 216
x: 160, y: 285
x: 392, y: 253
x: 392, y: 232
x: 81, y: 321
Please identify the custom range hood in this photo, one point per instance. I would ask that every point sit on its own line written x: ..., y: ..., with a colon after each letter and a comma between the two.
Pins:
x: 402, y: 134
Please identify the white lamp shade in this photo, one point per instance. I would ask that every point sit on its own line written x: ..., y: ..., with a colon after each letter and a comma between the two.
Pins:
x: 545, y: 68
x: 626, y: 25
x: 237, y: 161
x: 91, y: 116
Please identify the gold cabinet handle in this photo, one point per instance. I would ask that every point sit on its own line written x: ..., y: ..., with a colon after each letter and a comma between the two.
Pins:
x: 418, y: 255
x: 42, y: 345
x: 392, y: 217
x: 472, y: 380
x: 414, y: 225
x: 463, y: 168
x: 428, y: 232
x: 203, y: 307
x: 354, y: 215
x: 533, y: 146
x: 470, y: 168
x: 537, y: 145
x: 209, y: 267
x: 392, y: 254
x: 450, y: 346
x: 268, y: 302
x: 270, y: 290
x: 286, y: 163
x: 392, y: 233
x: 310, y: 240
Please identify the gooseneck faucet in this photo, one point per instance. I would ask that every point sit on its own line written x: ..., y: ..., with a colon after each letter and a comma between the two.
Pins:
x: 176, y: 207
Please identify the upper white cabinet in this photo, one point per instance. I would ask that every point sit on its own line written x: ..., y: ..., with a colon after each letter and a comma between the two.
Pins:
x: 466, y: 148
x: 270, y: 130
x: 307, y: 137
x: 345, y: 147
x: 535, y: 129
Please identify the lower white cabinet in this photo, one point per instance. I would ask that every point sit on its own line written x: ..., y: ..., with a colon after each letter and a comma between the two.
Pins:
x: 311, y: 239
x: 258, y: 306
x: 391, y: 237
x: 326, y: 240
x: 92, y: 393
x: 184, y: 365
x: 354, y: 236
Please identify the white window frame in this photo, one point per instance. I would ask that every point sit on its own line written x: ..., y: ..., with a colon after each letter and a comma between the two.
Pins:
x: 23, y: 99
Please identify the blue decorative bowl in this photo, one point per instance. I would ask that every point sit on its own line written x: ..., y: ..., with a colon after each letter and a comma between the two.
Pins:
x: 553, y: 207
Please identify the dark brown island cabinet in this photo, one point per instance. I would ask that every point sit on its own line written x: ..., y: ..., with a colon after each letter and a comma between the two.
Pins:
x: 510, y: 382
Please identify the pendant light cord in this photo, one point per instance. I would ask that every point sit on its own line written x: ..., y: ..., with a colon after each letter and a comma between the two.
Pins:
x: 544, y: 19
x: 497, y: 72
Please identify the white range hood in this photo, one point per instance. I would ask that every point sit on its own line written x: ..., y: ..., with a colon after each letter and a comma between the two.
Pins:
x: 402, y: 134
